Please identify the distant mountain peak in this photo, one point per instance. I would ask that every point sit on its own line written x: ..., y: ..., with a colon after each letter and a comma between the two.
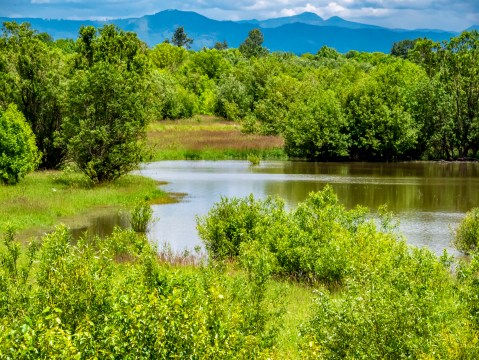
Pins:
x: 307, y: 15
x: 301, y: 33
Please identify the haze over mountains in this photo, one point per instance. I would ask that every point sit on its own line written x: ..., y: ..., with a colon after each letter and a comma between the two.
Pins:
x: 306, y: 32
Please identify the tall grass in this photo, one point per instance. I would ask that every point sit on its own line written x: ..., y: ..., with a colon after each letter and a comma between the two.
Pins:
x: 209, y: 139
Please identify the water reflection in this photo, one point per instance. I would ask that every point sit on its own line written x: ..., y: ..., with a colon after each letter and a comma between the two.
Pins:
x: 429, y: 198
x: 101, y: 225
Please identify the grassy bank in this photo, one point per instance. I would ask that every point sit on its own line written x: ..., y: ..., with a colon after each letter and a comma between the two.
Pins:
x: 209, y: 138
x: 43, y: 198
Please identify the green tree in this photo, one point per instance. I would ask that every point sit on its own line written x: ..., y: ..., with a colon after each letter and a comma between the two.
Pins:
x: 461, y: 76
x: 401, y: 48
x: 221, y: 45
x: 167, y: 56
x: 380, y: 115
x: 209, y: 62
x: 18, y: 152
x: 233, y: 99
x: 107, y: 104
x: 181, y: 39
x: 252, y: 46
x: 427, y: 54
x: 328, y: 53
x: 33, y: 78
x: 454, y: 66
x: 316, y: 127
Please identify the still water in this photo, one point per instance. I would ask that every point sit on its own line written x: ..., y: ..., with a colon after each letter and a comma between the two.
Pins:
x: 429, y: 198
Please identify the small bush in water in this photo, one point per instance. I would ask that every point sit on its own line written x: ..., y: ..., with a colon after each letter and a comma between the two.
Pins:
x: 141, y: 216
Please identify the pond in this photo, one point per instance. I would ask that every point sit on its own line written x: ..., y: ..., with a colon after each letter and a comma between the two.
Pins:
x: 429, y: 198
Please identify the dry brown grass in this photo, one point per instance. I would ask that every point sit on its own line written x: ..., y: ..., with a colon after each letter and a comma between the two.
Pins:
x: 206, y: 133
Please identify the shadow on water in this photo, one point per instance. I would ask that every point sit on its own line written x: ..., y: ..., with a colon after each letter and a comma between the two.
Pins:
x: 101, y: 225
x: 100, y: 222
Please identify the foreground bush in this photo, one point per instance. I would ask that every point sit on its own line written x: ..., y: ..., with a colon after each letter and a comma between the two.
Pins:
x: 307, y: 243
x: 377, y: 297
x: 112, y: 298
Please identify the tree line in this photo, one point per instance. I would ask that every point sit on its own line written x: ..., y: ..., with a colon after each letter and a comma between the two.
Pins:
x: 89, y: 100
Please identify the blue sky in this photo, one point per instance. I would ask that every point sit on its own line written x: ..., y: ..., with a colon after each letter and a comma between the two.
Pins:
x: 407, y: 14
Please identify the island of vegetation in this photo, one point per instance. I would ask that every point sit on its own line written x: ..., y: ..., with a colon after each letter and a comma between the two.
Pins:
x: 319, y: 281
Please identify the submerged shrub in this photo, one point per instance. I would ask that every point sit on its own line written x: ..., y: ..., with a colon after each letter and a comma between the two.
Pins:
x: 467, y: 234
x: 254, y: 159
x: 141, y: 216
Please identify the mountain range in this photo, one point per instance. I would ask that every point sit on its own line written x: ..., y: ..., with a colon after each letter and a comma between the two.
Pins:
x: 306, y: 32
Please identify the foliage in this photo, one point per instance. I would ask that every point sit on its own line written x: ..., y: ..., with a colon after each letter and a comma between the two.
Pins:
x: 107, y: 112
x: 420, y: 102
x: 327, y: 52
x: 453, y: 66
x: 401, y: 48
x: 233, y: 100
x: 167, y: 56
x: 221, y: 45
x: 82, y: 301
x: 406, y: 307
x: 316, y: 128
x: 254, y: 159
x: 18, y: 152
x: 467, y: 234
x: 141, y: 216
x: 301, y: 242
x: 377, y: 298
x: 382, y: 127
x: 33, y: 78
x: 181, y: 39
x: 252, y: 46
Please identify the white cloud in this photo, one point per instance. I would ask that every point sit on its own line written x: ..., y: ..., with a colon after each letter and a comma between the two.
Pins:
x: 444, y: 14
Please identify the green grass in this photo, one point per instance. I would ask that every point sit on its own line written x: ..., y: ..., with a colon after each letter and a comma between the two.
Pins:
x: 297, y: 300
x: 43, y: 198
x: 215, y: 154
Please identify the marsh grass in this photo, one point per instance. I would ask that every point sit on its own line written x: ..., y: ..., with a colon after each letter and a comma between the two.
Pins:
x: 183, y: 258
x: 44, y: 197
x: 209, y: 138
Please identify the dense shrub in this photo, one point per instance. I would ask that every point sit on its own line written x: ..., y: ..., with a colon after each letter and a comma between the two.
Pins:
x: 406, y: 306
x: 18, y: 153
x: 112, y: 298
x: 377, y: 298
x: 234, y: 221
x: 306, y: 243
x: 467, y: 234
